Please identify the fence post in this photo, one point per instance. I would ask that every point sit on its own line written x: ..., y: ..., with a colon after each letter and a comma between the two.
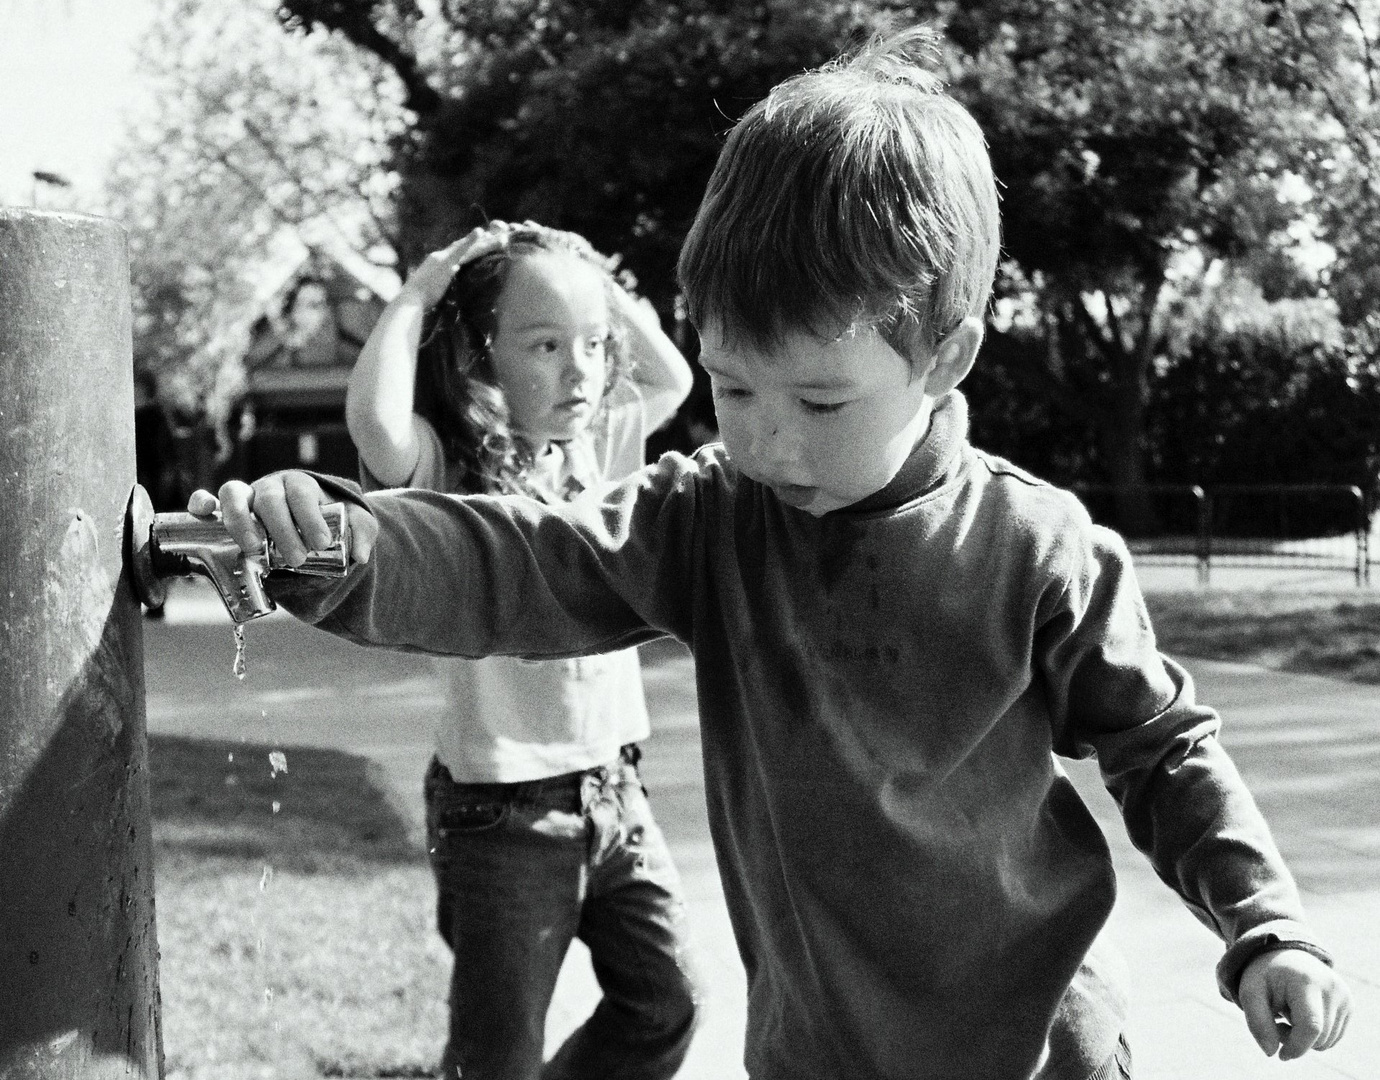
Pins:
x: 1366, y: 511
x: 1204, y: 501
x: 1362, y: 545
x: 78, y: 952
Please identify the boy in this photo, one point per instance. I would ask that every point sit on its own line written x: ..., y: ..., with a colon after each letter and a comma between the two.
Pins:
x: 894, y: 634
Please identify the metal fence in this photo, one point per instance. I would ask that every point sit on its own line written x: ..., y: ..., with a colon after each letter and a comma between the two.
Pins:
x: 1305, y: 526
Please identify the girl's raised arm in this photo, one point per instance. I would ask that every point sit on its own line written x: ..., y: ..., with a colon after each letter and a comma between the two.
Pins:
x: 658, y: 368
x: 379, y: 397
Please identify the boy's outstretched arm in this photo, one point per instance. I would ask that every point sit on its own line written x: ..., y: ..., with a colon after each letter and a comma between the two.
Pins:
x: 481, y: 575
x: 1297, y: 988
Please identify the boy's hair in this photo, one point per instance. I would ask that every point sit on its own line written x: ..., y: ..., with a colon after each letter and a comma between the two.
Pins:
x: 456, y: 389
x: 854, y: 195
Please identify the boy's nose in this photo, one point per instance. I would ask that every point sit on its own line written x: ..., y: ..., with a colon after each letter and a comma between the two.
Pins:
x: 774, y: 443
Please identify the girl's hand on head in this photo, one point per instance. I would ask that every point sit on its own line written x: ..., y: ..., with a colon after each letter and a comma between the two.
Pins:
x: 1293, y: 1003
x: 286, y: 506
x: 431, y: 279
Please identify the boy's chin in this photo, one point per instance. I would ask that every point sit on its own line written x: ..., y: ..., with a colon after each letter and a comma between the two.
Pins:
x: 815, y: 502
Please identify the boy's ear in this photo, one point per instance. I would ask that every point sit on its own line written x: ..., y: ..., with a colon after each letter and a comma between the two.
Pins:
x: 954, y: 356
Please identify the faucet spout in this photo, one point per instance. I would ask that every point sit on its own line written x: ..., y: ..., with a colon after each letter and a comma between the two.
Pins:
x: 171, y: 544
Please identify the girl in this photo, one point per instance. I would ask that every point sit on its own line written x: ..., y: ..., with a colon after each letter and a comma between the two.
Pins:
x: 513, y: 361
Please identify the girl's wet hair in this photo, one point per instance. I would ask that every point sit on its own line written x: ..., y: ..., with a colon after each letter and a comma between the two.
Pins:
x: 456, y: 389
x: 855, y: 195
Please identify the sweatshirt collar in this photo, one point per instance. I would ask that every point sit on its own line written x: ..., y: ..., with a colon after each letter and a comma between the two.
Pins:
x: 933, y: 461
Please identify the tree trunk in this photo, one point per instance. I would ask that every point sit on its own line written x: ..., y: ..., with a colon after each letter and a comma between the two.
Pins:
x: 1121, y: 428
x: 1121, y: 423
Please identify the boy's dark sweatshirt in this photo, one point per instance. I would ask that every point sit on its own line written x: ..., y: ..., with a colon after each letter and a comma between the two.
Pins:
x: 915, y: 886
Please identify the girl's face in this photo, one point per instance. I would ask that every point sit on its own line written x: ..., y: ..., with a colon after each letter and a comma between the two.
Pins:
x: 548, y: 351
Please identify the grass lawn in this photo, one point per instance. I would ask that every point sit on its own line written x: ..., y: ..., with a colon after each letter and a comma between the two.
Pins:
x: 1334, y: 633
x: 295, y: 920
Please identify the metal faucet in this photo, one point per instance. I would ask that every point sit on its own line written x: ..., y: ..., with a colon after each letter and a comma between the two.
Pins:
x: 166, y: 545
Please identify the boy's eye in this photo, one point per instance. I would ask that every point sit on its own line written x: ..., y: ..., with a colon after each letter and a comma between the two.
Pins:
x: 736, y: 392
x: 822, y: 408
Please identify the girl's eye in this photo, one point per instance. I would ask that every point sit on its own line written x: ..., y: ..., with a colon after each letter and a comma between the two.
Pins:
x: 823, y: 408
x: 734, y: 392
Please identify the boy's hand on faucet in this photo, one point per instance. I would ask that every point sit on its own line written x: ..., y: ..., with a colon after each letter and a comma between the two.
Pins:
x: 286, y: 505
x: 1293, y: 1003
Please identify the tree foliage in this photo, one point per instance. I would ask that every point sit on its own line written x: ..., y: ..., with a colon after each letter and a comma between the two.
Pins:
x: 1139, y: 143
x: 1131, y: 136
x: 248, y: 131
x: 602, y: 117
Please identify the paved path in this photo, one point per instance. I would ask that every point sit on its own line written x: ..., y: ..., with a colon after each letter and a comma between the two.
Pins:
x: 1309, y: 747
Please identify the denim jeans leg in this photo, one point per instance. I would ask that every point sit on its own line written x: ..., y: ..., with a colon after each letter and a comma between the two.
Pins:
x: 635, y: 927
x: 509, y: 880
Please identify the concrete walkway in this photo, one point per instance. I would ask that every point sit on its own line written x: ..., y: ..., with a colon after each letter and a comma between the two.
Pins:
x: 1309, y: 747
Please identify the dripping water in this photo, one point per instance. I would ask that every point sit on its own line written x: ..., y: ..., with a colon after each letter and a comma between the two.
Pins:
x: 238, y: 668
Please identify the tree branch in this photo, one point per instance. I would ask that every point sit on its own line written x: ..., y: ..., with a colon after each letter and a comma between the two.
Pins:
x: 353, y: 20
x: 1350, y: 7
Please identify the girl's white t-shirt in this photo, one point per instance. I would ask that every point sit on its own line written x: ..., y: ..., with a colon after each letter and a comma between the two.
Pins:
x: 507, y: 720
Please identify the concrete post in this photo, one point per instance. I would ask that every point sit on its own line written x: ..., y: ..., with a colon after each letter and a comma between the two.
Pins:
x: 78, y: 951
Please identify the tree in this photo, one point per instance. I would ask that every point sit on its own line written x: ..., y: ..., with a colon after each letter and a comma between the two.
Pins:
x: 602, y: 117
x: 1132, y: 137
x: 1346, y: 178
x: 248, y: 132
x: 1129, y: 134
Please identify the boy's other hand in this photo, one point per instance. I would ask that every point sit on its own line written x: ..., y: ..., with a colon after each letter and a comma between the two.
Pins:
x: 286, y: 505
x: 1293, y: 1003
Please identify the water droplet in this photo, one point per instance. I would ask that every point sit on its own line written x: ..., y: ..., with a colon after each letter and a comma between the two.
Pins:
x: 264, y: 879
x: 231, y: 756
x: 238, y: 667
x: 268, y: 995
x: 277, y: 806
x: 278, y: 761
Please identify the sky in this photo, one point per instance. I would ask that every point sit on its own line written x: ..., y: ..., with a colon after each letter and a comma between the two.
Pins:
x: 67, y: 82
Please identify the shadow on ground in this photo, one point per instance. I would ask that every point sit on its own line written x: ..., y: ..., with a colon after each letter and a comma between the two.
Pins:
x: 305, y: 809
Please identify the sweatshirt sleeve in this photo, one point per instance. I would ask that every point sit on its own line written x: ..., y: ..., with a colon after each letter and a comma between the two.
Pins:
x: 486, y: 575
x: 1184, y: 803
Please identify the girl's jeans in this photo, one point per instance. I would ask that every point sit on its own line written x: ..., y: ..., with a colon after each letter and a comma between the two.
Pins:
x: 521, y: 870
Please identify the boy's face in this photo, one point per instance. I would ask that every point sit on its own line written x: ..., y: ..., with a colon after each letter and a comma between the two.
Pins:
x: 822, y: 423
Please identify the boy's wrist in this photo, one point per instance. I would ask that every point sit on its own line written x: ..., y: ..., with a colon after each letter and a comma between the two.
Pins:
x: 1267, y: 938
